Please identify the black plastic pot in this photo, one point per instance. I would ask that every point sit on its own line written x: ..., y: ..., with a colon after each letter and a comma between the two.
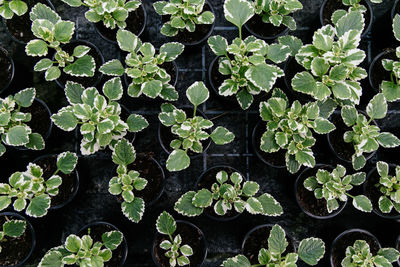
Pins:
x: 376, y: 72
x: 200, y: 237
x: 347, y: 238
x: 248, y: 246
x: 368, y: 187
x: 74, y: 173
x: 216, y: 169
x: 163, y: 130
x: 123, y: 245
x: 299, y: 183
x: 395, y: 10
x: 339, y: 5
x: 28, y: 228
x: 256, y: 140
x: 114, y: 41
x: 99, y: 60
x: 21, y: 18
x: 4, y: 57
x: 262, y: 29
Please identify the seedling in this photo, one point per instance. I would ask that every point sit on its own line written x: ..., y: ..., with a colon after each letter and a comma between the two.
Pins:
x: 144, y: 66
x: 190, y: 132
x: 177, y: 253
x: 184, y: 15
x: 113, y: 13
x: 311, y: 250
x: 360, y: 255
x: 52, y: 32
x: 12, y: 229
x: 31, y: 187
x: 389, y: 186
x: 13, y: 7
x: 127, y: 181
x: 365, y: 136
x: 226, y: 194
x: 333, y: 187
x: 290, y: 129
x: 13, y: 123
x: 354, y: 5
x: 99, y: 117
x: 82, y: 252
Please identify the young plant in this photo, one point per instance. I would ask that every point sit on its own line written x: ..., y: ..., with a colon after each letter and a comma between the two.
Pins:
x: 184, y: 15
x: 245, y: 60
x: 177, y: 253
x: 332, y: 60
x: 12, y: 229
x: 311, y: 250
x: 30, y: 186
x: 10, y: 7
x: 389, y: 186
x: 190, y: 132
x: 360, y: 255
x: 365, y: 136
x: 13, y: 123
x: 127, y: 181
x: 52, y: 32
x: 226, y: 194
x: 82, y: 252
x: 278, y: 12
x: 113, y: 13
x: 290, y: 128
x: 99, y: 117
x: 144, y: 66
x: 333, y: 187
x: 354, y: 5
x: 391, y: 89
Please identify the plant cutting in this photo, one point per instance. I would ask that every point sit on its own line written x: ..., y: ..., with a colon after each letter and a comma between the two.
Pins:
x: 189, y: 132
x: 365, y: 136
x: 98, y: 116
x: 359, y: 254
x: 311, y: 250
x: 145, y: 68
x: 13, y: 122
x: 290, y: 129
x: 52, y: 32
x: 83, y: 251
x: 30, y: 190
x: 229, y: 192
x: 14, y: 7
x: 11, y: 229
x: 333, y: 187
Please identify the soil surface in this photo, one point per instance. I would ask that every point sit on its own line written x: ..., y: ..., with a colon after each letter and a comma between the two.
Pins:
x: 378, y: 73
x: 267, y: 30
x: 5, y: 69
x: 40, y: 122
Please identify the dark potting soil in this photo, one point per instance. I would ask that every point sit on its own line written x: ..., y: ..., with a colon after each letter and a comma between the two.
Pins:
x: 256, y: 25
x: 135, y: 23
x: 68, y: 186
x: 5, y: 69
x: 151, y: 171
x: 343, y: 149
x: 208, y: 179
x: 190, y: 236
x: 293, y: 67
x: 96, y: 231
x: 19, y: 26
x: 339, y: 250
x: 85, y: 81
x: 9, y: 255
x: 40, y: 121
x: 379, y: 73
x: 257, y: 240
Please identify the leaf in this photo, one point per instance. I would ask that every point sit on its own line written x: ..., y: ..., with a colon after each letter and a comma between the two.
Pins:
x: 112, y: 239
x: 319, y: 66
x: 73, y: 92
x: 292, y: 42
x: 63, y: 31
x: 5, y: 201
x: 311, y: 250
x: 362, y: 203
x: 305, y: 158
x: 41, y: 11
x: 270, y: 206
x: 18, y: 7
x: 358, y: 162
x: 36, y: 48
x: 304, y: 82
x: 276, y: 241
x: 38, y: 206
x: 124, y: 153
x: 391, y: 254
x: 353, y: 20
x: 218, y: 44
x: 390, y: 90
x: 136, y: 123
x: 202, y: 198
x: 173, y: 50
x: 278, y: 52
x: 65, y: 120
x: 349, y: 115
x: 113, y: 89
x: 222, y: 136
x: 14, y: 228
x: 323, y: 126
x: 250, y: 188
x: 73, y: 243
x: 43, y: 64
x: 17, y: 135
x: 396, y: 26
x: 166, y: 224
x: 185, y: 206
x: 127, y: 41
x: 66, y: 162
x: 25, y: 97
x: 113, y: 68
x: 385, y: 205
x: 239, y: 260
x: 82, y: 67
x: 238, y: 12
x: 52, y: 73
x: 244, y: 99
x: 388, y: 140
x: 152, y: 88
x: 197, y: 93
x: 178, y: 160
x: 377, y: 107
x: 133, y: 210
x: 263, y: 76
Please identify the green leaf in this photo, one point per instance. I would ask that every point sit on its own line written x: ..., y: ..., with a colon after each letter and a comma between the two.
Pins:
x: 65, y: 120
x: 66, y: 162
x: 43, y: 64
x: 197, y: 93
x: 133, y: 210
x: 222, y: 136
x: 276, y: 241
x: 278, y: 52
x: 263, y: 76
x: 377, y: 107
x: 173, y: 50
x: 385, y: 205
x: 388, y: 140
x: 124, y: 153
x: 311, y: 250
x: 112, y: 239
x: 136, y: 123
x: 36, y: 48
x: 292, y: 42
x: 152, y: 88
x: 52, y: 73
x: 38, y: 206
x: 52, y: 258
x: 18, y: 7
x: 238, y: 12
x: 41, y: 11
x: 17, y: 135
x: 82, y: 67
x: 112, y: 89
x: 185, y: 206
x: 113, y: 68
x: 323, y: 126
x: 353, y: 20
x: 239, y: 260
x: 63, y: 31
x: 14, y: 228
x: 203, y: 198
x: 362, y: 203
x: 306, y: 158
x: 73, y: 92
x: 358, y: 162
x: 73, y: 243
x: 304, y: 82
x: 178, y: 160
x: 127, y: 41
x: 25, y: 97
x: 166, y: 224
x: 390, y: 90
x: 391, y: 254
x: 218, y: 45
x: 244, y: 99
x: 168, y: 30
x: 250, y: 188
x: 396, y: 26
x: 270, y: 206
x: 349, y: 115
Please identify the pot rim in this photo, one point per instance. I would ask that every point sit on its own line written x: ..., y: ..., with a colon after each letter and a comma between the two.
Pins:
x: 371, y: 66
x: 267, y: 38
x: 5, y: 51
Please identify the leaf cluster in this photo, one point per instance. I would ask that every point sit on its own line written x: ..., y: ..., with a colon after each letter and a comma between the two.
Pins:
x: 9, y: 8
x: 12, y: 228
x: 389, y: 186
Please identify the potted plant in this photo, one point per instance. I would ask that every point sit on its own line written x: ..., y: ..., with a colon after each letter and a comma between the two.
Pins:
x: 15, y: 232
x: 189, y: 22
x: 98, y: 116
x: 148, y: 73
x: 74, y: 59
x: 189, y: 133
x: 242, y: 70
x: 228, y: 195
x: 102, y: 244
x: 6, y: 69
x: 383, y: 188
x: 362, y: 134
x: 178, y: 243
x: 275, y: 250
x: 273, y: 18
x: 290, y: 128
x: 111, y: 15
x: 31, y: 190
